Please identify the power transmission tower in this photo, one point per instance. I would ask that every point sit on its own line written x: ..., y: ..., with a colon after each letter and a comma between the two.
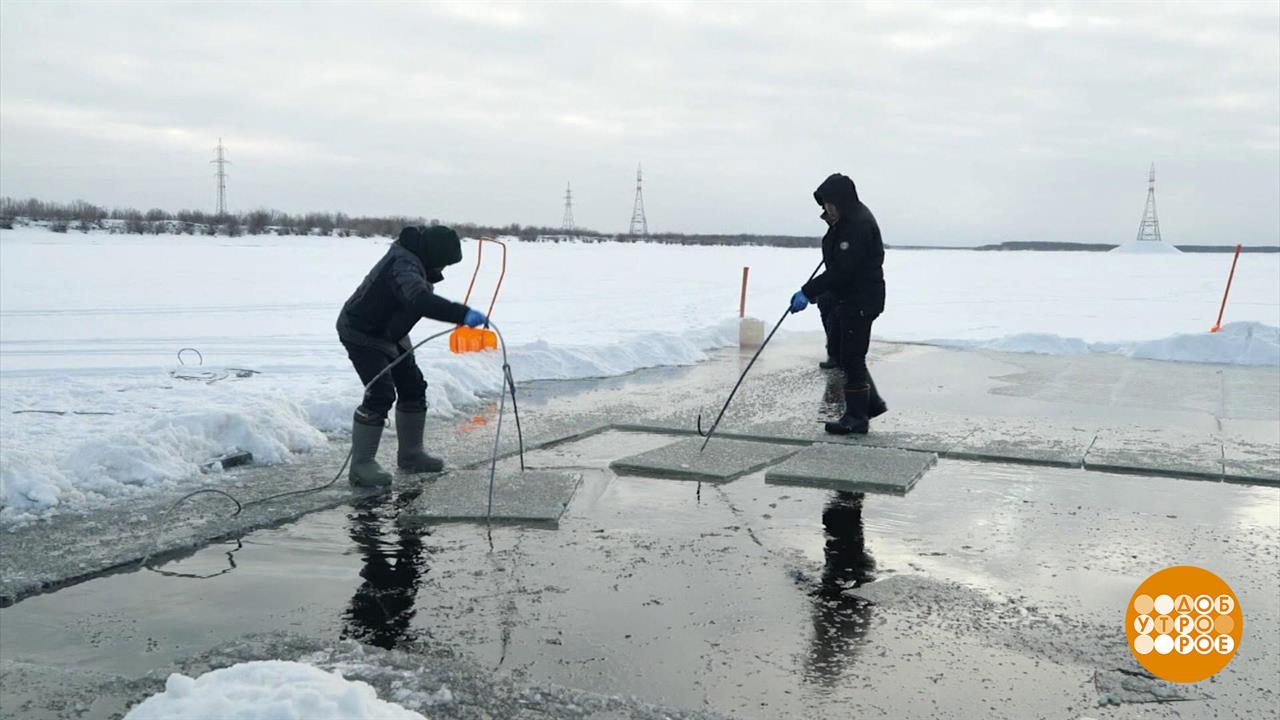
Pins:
x: 1149, y: 228
x: 221, y: 161
x: 567, y: 225
x: 639, y: 224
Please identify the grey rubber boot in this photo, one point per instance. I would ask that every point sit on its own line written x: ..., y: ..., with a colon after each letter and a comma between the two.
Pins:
x: 410, y: 456
x: 365, y: 470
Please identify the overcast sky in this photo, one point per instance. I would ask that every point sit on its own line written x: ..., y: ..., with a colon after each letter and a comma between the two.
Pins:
x: 960, y: 123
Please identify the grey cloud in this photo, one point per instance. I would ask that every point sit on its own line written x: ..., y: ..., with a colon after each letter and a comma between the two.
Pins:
x: 960, y: 122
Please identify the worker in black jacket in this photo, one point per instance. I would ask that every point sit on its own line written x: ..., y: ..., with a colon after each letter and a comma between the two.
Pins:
x: 854, y: 277
x: 374, y: 327
x: 826, y: 303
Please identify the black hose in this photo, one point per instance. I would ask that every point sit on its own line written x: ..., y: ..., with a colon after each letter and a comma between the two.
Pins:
x: 743, y: 376
x: 507, y: 380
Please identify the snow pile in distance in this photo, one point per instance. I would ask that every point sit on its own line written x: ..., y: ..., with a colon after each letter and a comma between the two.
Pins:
x: 268, y: 690
x: 1242, y: 343
x: 1147, y: 246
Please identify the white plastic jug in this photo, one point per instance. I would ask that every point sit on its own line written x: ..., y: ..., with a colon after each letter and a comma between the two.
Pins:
x: 750, y: 332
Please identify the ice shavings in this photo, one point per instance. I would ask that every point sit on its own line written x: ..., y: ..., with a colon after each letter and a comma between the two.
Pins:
x: 268, y: 690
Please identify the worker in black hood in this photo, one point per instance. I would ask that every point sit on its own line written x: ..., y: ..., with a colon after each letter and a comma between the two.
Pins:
x: 374, y: 327
x: 854, y: 280
x: 826, y: 303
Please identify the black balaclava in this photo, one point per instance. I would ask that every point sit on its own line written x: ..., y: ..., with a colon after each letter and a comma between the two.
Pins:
x: 437, y: 247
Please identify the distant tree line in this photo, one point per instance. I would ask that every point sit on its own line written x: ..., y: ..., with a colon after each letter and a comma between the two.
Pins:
x: 85, y: 216
x: 1105, y: 247
x: 789, y: 241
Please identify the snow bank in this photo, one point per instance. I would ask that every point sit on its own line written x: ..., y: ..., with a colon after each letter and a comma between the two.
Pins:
x: 154, y: 432
x: 1244, y: 343
x: 268, y: 690
x: 159, y: 430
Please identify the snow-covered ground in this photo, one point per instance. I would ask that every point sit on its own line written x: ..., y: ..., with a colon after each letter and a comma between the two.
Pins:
x: 268, y: 690
x: 92, y: 324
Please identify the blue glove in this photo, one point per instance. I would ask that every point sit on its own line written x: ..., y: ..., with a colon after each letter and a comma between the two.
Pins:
x: 799, y: 301
x: 475, y: 318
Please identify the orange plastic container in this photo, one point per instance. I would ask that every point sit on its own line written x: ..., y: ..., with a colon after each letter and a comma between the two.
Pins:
x: 466, y: 339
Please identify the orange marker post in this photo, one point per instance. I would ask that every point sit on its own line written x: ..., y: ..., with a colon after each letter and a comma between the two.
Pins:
x: 742, y: 304
x: 1218, y: 325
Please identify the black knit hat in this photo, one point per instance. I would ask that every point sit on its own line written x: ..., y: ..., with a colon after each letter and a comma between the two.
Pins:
x: 436, y: 246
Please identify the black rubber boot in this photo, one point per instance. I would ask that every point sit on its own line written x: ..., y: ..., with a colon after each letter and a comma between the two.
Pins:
x: 410, y: 456
x: 854, y: 420
x: 829, y: 364
x: 875, y: 404
x: 365, y: 470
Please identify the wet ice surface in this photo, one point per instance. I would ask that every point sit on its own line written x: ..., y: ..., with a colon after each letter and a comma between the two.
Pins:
x: 991, y: 590
x: 535, y: 496
x: 1204, y: 421
x: 988, y: 590
x: 853, y: 469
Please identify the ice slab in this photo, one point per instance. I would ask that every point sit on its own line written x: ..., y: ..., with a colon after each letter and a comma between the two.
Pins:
x: 595, y: 451
x: 723, y: 460
x: 534, y: 496
x: 906, y: 430
x: 853, y: 468
x: 1253, y: 462
x: 1157, y: 452
x: 1251, y: 450
x: 1026, y: 442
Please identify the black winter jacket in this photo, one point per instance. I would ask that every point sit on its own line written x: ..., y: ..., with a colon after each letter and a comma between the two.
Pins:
x: 398, y: 291
x: 852, y: 251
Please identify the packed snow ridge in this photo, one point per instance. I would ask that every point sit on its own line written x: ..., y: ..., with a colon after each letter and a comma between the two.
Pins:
x: 1243, y: 343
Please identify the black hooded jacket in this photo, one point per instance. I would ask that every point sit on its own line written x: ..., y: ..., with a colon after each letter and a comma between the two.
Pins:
x: 852, y: 251
x: 398, y: 291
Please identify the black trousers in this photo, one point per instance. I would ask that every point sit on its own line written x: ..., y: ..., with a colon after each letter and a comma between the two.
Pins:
x: 826, y: 307
x: 854, y: 331
x: 405, y: 381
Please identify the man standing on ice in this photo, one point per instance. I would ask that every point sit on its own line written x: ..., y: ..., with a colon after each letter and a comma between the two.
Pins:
x: 854, y: 277
x: 374, y: 327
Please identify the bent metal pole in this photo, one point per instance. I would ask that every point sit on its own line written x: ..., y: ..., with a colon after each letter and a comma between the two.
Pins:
x: 746, y: 370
